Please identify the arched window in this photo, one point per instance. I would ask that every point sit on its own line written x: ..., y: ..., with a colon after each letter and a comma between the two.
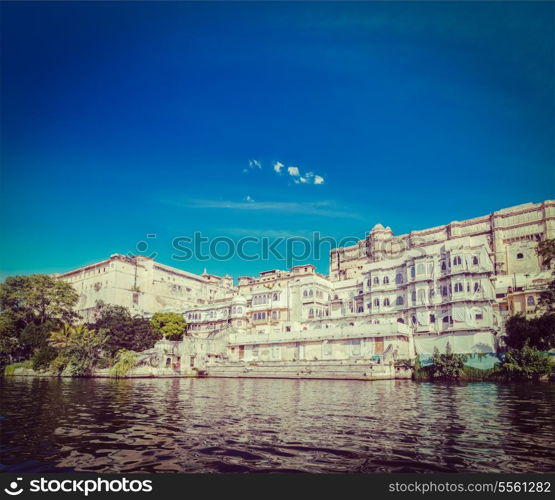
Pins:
x: 420, y: 269
x: 400, y: 301
x: 458, y: 287
x: 531, y: 301
x: 457, y: 261
x: 475, y: 260
x: 376, y: 280
x: 412, y: 271
x: 377, y: 302
x: 311, y: 313
x: 399, y: 279
x: 414, y: 296
x: 443, y: 265
x: 275, y: 296
x: 400, y: 320
x: 305, y: 293
x: 360, y: 308
x: 520, y: 256
x: 310, y: 292
x: 432, y: 318
x: 386, y: 280
x: 239, y: 309
x: 385, y: 302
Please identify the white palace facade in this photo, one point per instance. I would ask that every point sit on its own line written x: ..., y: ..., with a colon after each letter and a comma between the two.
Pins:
x: 385, y: 296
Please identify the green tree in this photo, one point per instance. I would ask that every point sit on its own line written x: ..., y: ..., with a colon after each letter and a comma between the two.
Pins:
x: 39, y: 298
x: 30, y: 307
x: 546, y: 302
x: 123, y: 330
x: 79, y: 346
x: 447, y: 366
x: 537, y: 333
x: 171, y: 325
x: 526, y: 363
x: 125, y: 361
x: 546, y: 250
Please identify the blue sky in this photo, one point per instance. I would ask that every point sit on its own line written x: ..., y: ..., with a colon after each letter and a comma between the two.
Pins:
x: 120, y: 120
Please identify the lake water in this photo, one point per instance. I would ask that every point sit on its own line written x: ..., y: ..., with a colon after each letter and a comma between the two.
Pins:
x: 246, y: 425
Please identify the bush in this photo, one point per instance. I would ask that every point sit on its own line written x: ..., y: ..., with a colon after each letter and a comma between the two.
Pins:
x: 448, y: 366
x: 10, y: 369
x: 527, y: 363
x: 43, y: 357
x: 59, y: 363
x: 125, y: 362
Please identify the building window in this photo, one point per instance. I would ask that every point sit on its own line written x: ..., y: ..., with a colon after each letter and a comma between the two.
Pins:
x: 400, y: 301
x: 385, y: 302
x: 432, y: 318
x: 386, y: 280
x: 479, y: 316
x: 414, y: 296
x: 458, y: 287
x: 531, y: 301
x: 443, y: 265
x: 399, y: 279
x: 420, y: 269
x: 412, y: 271
x: 475, y: 260
x: 377, y: 302
x: 476, y: 287
x: 376, y: 281
x: 400, y: 320
x: 520, y: 256
x: 457, y: 261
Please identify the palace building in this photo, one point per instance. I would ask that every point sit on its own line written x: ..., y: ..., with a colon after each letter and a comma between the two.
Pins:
x: 385, y: 296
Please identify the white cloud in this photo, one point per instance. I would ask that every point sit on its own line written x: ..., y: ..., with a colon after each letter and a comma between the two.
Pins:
x: 319, y: 208
x: 293, y: 171
x: 248, y: 199
x: 278, y: 166
x: 318, y: 179
x: 255, y: 163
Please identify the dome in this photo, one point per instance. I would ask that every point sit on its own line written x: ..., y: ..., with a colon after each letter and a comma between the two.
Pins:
x: 378, y: 227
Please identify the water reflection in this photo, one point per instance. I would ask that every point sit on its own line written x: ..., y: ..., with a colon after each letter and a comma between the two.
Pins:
x: 228, y: 425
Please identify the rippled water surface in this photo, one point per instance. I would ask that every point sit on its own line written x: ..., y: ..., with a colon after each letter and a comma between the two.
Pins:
x: 234, y: 425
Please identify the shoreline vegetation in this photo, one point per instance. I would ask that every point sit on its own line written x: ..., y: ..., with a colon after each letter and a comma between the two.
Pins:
x: 40, y: 334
